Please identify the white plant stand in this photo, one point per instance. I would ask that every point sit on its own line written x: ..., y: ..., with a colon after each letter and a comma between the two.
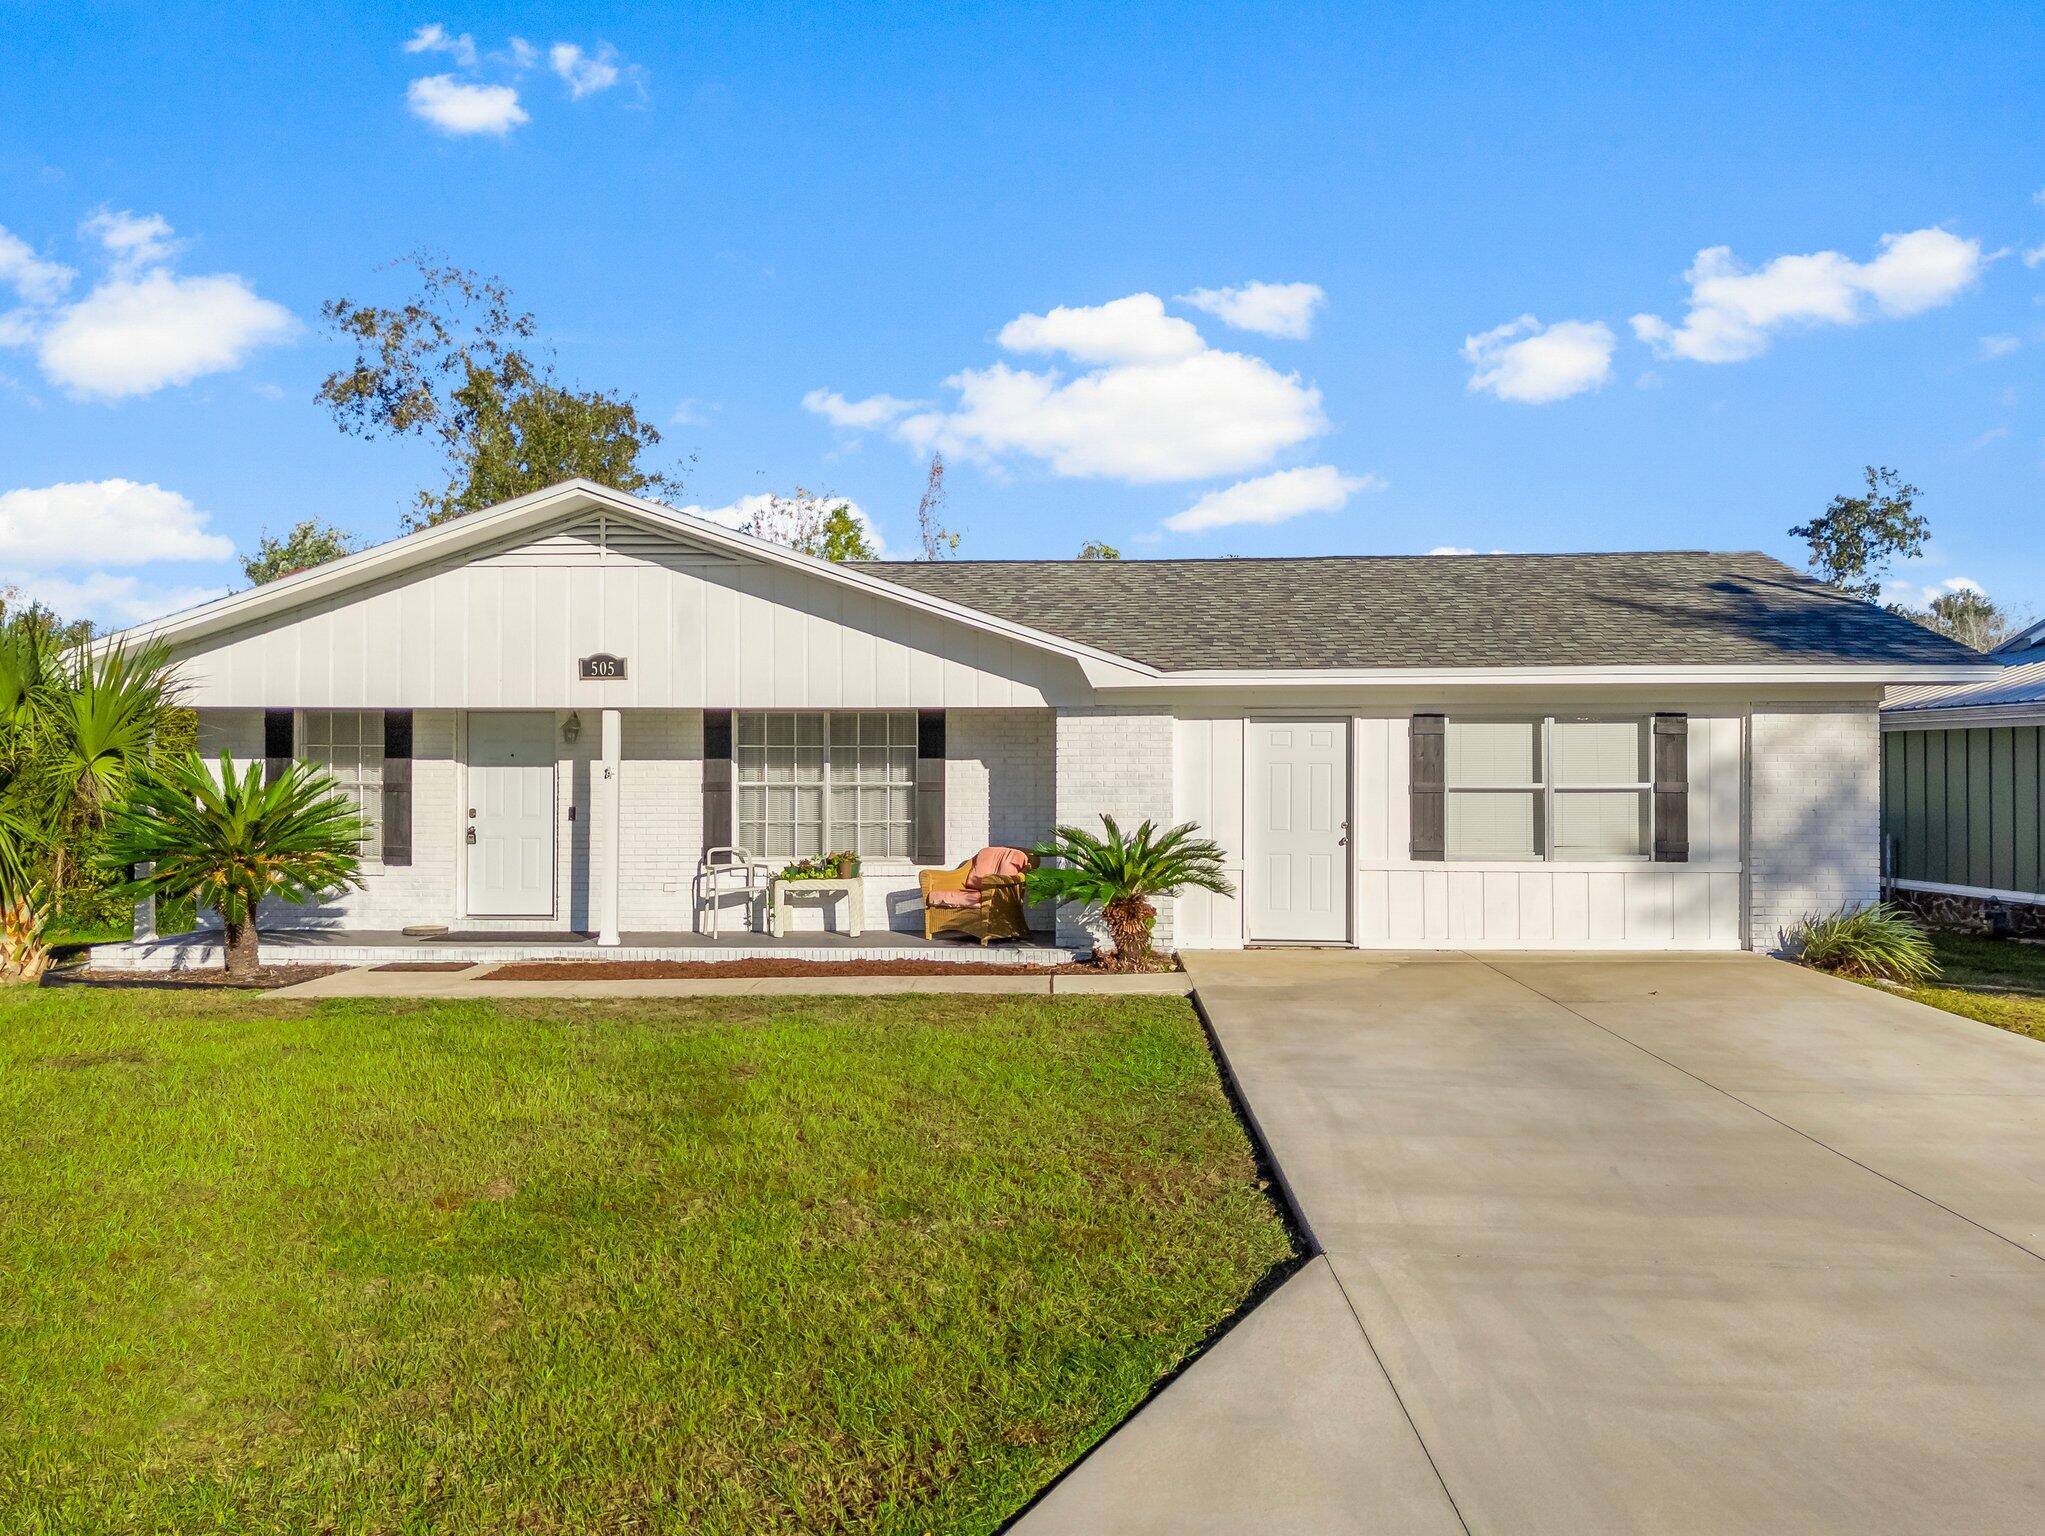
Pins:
x: 852, y: 890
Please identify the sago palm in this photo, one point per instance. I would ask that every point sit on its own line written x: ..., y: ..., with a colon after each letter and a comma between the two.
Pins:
x: 1122, y: 874
x: 230, y: 840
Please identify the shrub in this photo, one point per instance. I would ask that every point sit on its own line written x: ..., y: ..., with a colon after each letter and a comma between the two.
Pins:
x: 1879, y: 941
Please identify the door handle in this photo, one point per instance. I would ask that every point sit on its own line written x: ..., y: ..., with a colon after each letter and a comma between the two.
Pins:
x: 472, y: 837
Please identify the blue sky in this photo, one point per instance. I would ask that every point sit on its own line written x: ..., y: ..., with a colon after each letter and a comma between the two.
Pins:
x: 1193, y: 281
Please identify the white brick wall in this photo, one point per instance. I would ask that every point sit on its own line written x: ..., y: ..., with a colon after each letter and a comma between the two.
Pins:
x: 1814, y: 817
x: 1112, y: 760
x: 662, y: 818
x: 998, y: 784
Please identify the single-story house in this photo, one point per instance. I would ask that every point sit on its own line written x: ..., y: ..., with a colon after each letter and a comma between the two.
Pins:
x: 1963, y: 792
x: 549, y: 709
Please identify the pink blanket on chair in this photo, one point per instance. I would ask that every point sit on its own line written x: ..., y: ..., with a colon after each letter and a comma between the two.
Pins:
x: 994, y: 863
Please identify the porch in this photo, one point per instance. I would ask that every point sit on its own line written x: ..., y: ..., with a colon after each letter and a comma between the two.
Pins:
x: 373, y: 946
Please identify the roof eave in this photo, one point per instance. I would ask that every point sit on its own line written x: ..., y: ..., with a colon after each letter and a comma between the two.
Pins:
x: 1858, y: 673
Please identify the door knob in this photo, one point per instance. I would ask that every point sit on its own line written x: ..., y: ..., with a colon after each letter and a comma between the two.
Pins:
x: 472, y: 837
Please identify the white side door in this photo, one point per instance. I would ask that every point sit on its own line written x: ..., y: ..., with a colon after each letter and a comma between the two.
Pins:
x: 510, y: 825
x: 1298, y: 866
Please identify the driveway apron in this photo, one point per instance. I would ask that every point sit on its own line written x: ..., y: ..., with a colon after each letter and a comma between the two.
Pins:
x: 1667, y: 1244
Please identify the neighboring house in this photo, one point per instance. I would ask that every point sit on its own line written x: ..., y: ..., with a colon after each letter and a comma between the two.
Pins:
x: 1963, y: 792
x: 548, y: 709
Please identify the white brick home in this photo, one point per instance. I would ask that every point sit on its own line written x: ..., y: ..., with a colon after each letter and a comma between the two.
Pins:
x: 548, y: 709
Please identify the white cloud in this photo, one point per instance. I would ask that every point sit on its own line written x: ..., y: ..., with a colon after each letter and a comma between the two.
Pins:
x: 132, y: 335
x: 103, y: 522
x: 1154, y: 403
x: 782, y: 518
x: 2034, y: 256
x: 1915, y: 595
x: 1992, y: 435
x: 584, y: 73
x: 2000, y: 346
x: 113, y: 600
x: 435, y: 38
x: 1527, y: 361
x: 459, y: 107
x: 1269, y: 309
x: 1734, y: 312
x: 1273, y: 498
x: 857, y: 415
x: 1131, y: 330
x: 130, y: 240
x: 35, y: 280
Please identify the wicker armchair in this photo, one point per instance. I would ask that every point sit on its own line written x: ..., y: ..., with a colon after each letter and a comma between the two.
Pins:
x: 997, y: 914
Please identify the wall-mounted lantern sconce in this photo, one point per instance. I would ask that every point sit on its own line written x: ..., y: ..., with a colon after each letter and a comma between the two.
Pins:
x: 571, y: 729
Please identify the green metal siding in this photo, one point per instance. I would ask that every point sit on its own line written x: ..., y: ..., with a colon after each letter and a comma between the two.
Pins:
x: 1966, y: 807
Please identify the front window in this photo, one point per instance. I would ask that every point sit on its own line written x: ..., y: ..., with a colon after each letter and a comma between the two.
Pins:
x: 811, y: 782
x: 348, y: 743
x: 1565, y: 788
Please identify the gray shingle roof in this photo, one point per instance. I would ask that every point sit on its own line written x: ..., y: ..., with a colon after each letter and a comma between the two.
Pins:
x: 1673, y: 608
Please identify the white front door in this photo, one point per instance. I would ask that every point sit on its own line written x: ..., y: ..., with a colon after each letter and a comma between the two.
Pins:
x: 510, y: 825
x: 1298, y: 866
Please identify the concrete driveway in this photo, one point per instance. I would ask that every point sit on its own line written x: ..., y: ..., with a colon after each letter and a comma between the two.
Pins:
x: 1614, y: 1244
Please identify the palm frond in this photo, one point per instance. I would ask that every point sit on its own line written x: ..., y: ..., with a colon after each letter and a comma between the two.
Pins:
x: 230, y: 840
x: 1079, y: 866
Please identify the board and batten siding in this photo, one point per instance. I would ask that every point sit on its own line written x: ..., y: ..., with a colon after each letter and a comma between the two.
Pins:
x: 1965, y: 807
x: 1398, y: 903
x: 698, y: 629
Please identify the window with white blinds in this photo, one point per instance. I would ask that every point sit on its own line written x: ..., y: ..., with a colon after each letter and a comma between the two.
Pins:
x: 812, y: 782
x: 1560, y: 788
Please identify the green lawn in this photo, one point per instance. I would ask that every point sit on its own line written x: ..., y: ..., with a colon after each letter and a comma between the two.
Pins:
x: 731, y: 1266
x: 1997, y: 981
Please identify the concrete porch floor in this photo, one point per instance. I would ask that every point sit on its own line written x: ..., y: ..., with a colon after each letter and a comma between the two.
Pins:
x: 360, y: 946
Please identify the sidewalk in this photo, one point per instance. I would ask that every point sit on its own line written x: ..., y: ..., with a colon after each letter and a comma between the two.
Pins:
x: 474, y: 983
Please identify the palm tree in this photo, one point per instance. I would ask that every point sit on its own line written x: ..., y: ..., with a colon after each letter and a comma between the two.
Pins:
x: 1121, y: 874
x: 230, y: 840
x: 92, y: 726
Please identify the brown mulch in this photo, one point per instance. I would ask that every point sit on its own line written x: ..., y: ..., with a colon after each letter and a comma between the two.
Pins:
x: 426, y: 965
x: 267, y: 978
x: 719, y: 970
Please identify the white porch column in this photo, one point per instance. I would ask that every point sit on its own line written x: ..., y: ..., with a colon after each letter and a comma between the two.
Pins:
x: 145, y: 912
x: 603, y: 883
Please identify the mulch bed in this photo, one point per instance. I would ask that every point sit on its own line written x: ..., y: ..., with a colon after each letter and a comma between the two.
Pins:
x: 426, y: 965
x: 724, y: 970
x: 267, y: 978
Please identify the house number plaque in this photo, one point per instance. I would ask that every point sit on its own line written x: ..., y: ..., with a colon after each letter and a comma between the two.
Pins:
x: 601, y: 667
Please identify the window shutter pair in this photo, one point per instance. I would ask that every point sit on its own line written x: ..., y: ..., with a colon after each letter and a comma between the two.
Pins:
x: 280, y: 747
x: 927, y: 834
x: 1428, y: 787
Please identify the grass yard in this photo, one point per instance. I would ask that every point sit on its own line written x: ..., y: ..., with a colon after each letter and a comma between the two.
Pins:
x: 1997, y: 981
x: 731, y: 1266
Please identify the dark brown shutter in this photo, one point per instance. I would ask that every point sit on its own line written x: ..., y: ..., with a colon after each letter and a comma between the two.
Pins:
x: 1672, y: 789
x: 928, y: 841
x: 1427, y: 775
x: 717, y: 779
x: 278, y: 747
x: 397, y: 786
